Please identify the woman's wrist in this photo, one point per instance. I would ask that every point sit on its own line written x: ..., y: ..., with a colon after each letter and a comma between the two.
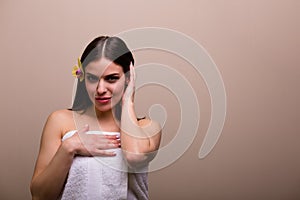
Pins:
x: 69, y: 147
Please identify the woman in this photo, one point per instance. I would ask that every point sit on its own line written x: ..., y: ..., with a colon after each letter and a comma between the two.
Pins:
x: 103, y: 102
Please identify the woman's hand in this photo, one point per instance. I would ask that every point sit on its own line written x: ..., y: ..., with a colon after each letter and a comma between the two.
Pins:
x: 84, y: 144
x: 128, y: 96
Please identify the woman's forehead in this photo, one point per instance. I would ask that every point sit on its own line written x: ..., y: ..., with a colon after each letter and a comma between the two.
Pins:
x: 102, y: 67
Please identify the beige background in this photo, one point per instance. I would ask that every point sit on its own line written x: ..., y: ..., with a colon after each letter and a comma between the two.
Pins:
x: 255, y: 45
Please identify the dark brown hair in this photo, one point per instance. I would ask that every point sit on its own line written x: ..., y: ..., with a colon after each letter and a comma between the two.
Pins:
x: 111, y: 48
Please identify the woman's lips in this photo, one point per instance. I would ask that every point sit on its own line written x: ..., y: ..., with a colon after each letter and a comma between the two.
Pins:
x: 103, y: 100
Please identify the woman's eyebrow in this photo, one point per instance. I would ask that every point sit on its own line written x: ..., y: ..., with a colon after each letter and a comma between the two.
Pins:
x: 112, y: 74
x: 91, y: 74
x: 107, y: 75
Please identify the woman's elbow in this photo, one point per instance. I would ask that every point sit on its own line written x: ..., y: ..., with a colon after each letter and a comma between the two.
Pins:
x: 134, y: 159
x: 38, y: 192
x: 34, y: 191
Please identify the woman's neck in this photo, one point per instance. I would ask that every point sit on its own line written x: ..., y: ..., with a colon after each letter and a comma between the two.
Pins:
x: 106, y: 120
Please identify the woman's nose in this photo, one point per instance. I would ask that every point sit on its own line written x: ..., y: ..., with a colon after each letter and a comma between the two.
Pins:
x: 101, y: 87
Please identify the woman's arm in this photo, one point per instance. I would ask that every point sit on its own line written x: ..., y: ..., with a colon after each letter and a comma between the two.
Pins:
x: 55, y: 157
x: 54, y: 160
x: 139, y: 139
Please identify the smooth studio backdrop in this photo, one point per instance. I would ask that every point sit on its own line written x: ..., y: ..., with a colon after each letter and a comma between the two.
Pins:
x: 255, y: 45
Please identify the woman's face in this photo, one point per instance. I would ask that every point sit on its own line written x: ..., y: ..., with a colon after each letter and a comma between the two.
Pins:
x: 105, y: 82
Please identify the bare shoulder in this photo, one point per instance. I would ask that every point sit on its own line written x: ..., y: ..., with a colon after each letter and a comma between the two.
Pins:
x: 61, y: 120
x: 152, y: 127
x: 63, y: 114
x: 147, y: 122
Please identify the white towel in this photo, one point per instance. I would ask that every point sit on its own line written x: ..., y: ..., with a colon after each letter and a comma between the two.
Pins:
x: 96, y: 177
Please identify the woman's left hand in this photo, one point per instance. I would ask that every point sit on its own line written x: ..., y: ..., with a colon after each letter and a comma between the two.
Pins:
x: 128, y: 96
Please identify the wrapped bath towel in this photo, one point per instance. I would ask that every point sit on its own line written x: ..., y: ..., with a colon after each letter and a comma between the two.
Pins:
x: 100, y: 178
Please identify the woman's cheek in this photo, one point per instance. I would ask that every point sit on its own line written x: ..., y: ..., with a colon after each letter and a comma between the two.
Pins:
x: 118, y: 92
x: 91, y: 89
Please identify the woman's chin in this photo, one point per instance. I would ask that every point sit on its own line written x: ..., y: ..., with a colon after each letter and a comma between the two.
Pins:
x: 106, y: 108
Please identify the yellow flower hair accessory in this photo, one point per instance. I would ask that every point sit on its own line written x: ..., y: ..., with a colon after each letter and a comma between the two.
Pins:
x: 78, y: 71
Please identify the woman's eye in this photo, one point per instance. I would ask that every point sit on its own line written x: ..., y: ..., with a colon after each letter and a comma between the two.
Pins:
x: 92, y: 78
x: 112, y: 79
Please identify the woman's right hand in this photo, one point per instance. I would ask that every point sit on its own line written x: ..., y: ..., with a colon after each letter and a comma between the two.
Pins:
x: 84, y: 144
